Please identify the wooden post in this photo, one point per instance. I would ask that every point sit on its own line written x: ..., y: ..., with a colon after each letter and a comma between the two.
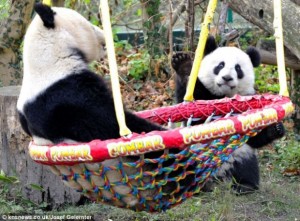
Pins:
x: 15, y: 161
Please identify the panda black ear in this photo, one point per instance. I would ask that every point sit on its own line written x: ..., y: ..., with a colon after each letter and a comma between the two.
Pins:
x: 254, y: 56
x: 46, y: 14
x: 210, y: 46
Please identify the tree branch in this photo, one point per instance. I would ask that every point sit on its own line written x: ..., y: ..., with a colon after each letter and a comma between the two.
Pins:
x: 261, y: 14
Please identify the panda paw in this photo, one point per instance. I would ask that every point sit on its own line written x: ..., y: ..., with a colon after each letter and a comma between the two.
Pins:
x: 180, y: 60
x: 243, y: 189
x: 276, y: 131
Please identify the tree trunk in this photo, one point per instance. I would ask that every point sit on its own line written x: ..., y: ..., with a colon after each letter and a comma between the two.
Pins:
x: 261, y: 14
x: 296, y: 2
x: 267, y: 50
x: 12, y: 31
x: 223, y: 17
x: 189, y: 25
x: 155, y: 35
x: 178, y: 10
x: 15, y: 160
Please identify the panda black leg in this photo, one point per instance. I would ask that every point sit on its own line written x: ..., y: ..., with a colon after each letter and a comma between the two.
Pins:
x: 245, y: 175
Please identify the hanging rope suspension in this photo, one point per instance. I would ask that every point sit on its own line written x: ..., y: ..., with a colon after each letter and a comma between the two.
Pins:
x: 47, y: 2
x: 278, y: 34
x: 119, y: 110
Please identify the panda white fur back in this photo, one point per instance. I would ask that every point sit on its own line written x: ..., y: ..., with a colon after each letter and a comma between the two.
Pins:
x: 224, y: 72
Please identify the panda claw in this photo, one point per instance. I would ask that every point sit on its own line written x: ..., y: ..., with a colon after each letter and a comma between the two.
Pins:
x: 280, y: 129
x: 243, y: 189
x: 276, y: 131
x: 179, y: 59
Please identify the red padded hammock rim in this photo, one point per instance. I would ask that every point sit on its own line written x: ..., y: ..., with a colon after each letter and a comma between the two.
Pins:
x: 264, y: 110
x: 204, y: 108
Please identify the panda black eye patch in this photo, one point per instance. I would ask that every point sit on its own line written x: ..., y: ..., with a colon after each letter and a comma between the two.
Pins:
x: 219, y: 67
x: 239, y: 71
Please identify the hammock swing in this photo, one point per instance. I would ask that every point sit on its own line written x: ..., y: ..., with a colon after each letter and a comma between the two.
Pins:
x: 98, y: 170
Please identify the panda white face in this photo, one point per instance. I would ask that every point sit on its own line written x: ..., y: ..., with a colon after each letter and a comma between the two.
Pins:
x: 51, y: 54
x: 227, y: 71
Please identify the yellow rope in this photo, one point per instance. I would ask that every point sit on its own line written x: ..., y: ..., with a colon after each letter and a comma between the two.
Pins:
x: 278, y: 34
x: 119, y: 110
x: 200, y: 49
x: 47, y: 2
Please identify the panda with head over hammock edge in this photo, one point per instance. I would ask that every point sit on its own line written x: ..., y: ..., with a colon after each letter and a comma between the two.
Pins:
x: 61, y: 100
x: 224, y: 72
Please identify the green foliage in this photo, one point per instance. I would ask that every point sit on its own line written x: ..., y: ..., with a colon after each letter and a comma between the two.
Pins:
x: 288, y: 154
x: 129, y: 3
x: 155, y: 33
x: 4, y: 7
x: 138, y: 12
x: 94, y: 20
x: 7, y: 179
x: 87, y: 1
x: 122, y: 45
x: 266, y: 79
x: 12, y: 200
x: 250, y: 37
x: 139, y: 64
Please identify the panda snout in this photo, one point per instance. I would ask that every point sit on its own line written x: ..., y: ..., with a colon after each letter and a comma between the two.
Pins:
x: 227, y: 78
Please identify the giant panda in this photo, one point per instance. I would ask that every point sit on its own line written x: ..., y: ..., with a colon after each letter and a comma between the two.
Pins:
x: 61, y: 100
x: 224, y: 72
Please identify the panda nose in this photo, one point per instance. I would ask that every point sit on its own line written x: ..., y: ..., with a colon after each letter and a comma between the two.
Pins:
x: 227, y: 78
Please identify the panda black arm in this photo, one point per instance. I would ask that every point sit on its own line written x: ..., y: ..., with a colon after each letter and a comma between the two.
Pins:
x: 182, y: 64
x: 267, y: 135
